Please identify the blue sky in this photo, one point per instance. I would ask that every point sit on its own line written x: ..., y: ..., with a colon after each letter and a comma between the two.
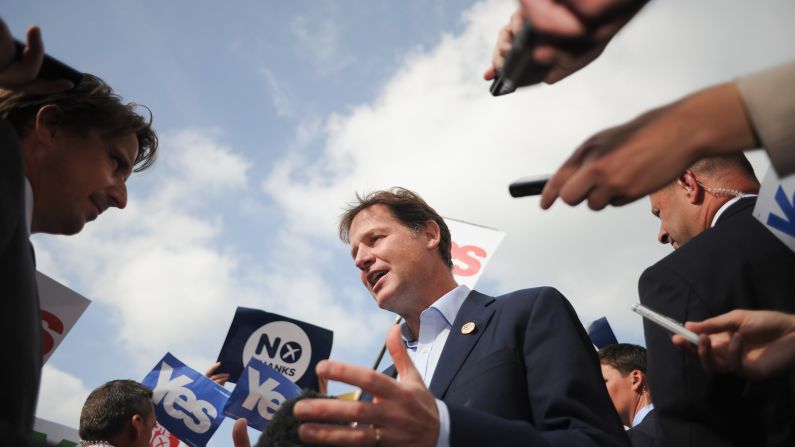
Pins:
x: 273, y: 114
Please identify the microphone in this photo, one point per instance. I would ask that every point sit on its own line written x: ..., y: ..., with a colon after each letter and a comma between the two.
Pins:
x: 282, y: 430
x: 519, y: 68
x: 51, y: 68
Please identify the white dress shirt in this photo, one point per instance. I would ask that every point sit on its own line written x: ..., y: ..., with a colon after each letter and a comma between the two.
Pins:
x: 426, y: 349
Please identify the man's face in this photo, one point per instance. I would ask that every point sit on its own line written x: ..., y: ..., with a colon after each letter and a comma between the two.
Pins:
x: 619, y: 387
x: 78, y: 177
x: 149, y: 426
x: 146, y: 432
x: 678, y: 217
x: 392, y: 261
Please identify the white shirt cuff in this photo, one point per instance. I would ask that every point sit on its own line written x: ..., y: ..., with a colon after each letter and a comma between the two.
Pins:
x: 444, y: 425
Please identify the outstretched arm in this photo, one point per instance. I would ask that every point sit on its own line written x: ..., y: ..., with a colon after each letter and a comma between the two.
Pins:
x: 402, y: 413
x: 574, y: 32
x: 624, y: 163
x: 20, y: 74
x: 756, y: 344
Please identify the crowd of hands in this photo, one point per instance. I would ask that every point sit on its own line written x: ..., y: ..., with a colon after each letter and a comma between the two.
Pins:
x: 613, y: 167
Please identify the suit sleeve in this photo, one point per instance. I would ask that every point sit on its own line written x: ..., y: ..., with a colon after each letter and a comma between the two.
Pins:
x: 769, y: 98
x: 691, y: 405
x: 566, y: 392
x: 11, y: 192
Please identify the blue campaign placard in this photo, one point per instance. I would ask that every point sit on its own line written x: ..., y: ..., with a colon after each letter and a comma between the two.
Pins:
x: 775, y: 207
x: 601, y: 333
x: 291, y: 347
x: 259, y: 393
x: 187, y: 403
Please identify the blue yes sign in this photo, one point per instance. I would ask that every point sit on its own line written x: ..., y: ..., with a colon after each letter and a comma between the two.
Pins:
x: 291, y: 347
x: 187, y: 403
x: 259, y: 393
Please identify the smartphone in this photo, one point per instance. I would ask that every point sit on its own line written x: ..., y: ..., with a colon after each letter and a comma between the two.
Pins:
x: 51, y: 68
x: 666, y: 323
x: 528, y: 186
x: 519, y: 68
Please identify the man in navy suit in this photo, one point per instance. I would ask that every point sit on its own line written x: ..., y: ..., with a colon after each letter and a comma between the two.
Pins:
x: 479, y: 370
x: 725, y: 259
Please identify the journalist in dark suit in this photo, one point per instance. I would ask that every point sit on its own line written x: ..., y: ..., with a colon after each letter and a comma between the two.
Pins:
x: 65, y: 157
x: 518, y: 369
x: 725, y: 259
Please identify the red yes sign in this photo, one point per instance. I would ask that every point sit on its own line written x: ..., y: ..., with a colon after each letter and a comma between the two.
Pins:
x: 468, y: 264
x: 49, y: 324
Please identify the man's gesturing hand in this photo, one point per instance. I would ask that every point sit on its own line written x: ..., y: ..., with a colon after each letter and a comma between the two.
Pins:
x: 402, y: 413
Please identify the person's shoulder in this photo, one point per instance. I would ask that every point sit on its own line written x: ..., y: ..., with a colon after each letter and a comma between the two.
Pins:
x: 12, y: 175
x: 684, y: 266
x: 717, y: 250
x: 544, y: 296
x: 10, y: 156
x: 712, y: 243
x: 542, y: 292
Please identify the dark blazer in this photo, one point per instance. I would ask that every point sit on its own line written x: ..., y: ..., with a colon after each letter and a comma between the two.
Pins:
x: 528, y: 375
x: 736, y: 264
x: 645, y: 434
x: 20, y: 323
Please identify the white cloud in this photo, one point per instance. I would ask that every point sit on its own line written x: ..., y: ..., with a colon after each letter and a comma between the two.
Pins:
x: 159, y: 263
x: 434, y: 128
x: 283, y: 101
x: 319, y: 42
x: 61, y: 397
x: 164, y: 267
x: 204, y: 163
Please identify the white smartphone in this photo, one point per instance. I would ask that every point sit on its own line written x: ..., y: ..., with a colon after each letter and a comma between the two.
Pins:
x: 666, y: 323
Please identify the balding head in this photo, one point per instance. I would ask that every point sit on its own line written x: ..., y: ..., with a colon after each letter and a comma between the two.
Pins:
x: 687, y: 205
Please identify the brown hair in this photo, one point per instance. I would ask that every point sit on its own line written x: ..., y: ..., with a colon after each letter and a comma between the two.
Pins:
x: 624, y: 357
x: 719, y: 166
x: 407, y: 207
x: 90, y: 105
x: 110, y: 406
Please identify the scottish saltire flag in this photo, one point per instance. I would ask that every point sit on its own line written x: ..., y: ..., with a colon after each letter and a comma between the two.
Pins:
x: 601, y: 333
x: 187, y: 403
x: 259, y: 393
x: 289, y: 346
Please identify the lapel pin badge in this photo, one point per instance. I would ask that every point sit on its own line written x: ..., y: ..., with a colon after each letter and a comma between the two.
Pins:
x: 468, y: 328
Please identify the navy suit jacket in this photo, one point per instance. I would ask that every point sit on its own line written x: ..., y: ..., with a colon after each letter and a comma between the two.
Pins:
x: 738, y: 264
x: 20, y: 323
x: 645, y: 434
x: 528, y: 375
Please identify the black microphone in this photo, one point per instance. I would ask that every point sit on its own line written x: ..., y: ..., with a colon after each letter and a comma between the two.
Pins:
x: 282, y: 430
x: 51, y: 68
x: 519, y: 68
